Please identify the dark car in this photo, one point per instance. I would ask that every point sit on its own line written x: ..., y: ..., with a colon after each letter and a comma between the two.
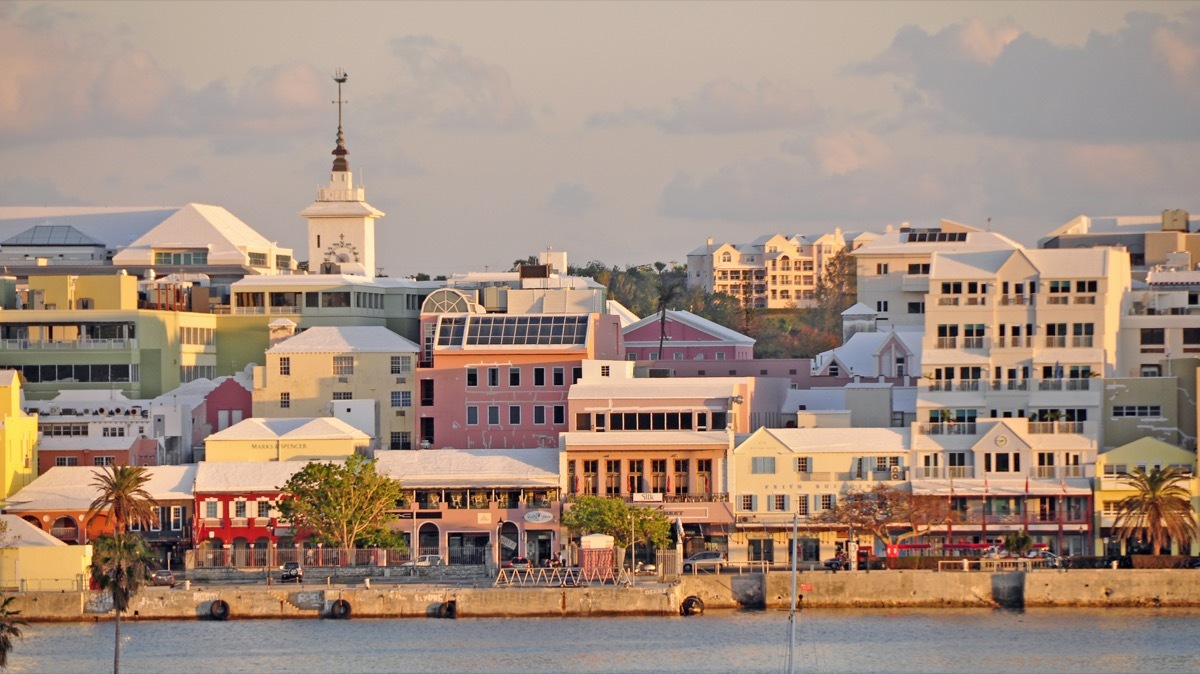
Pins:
x: 519, y: 563
x: 292, y: 573
x: 706, y: 559
x: 839, y: 563
x: 162, y: 577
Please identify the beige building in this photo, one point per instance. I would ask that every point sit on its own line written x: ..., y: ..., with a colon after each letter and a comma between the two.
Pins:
x: 772, y: 272
x: 32, y: 560
x: 361, y: 374
x: 779, y: 474
x: 291, y: 439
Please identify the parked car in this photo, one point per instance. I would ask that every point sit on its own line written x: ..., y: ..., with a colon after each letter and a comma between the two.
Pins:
x: 838, y: 563
x: 1049, y: 558
x: 424, y: 560
x: 292, y: 573
x: 707, y: 559
x: 162, y: 577
x: 518, y: 563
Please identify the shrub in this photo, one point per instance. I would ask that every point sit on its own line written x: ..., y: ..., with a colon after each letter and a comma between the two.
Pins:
x: 1160, y: 562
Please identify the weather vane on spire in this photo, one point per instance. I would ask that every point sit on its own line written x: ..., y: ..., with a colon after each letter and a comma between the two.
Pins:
x: 340, y: 152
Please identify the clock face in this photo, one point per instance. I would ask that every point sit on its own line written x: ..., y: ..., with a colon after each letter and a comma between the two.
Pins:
x: 341, y: 251
x: 1001, y: 440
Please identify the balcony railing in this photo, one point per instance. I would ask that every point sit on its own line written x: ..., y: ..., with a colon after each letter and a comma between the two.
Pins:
x: 62, y: 533
x: 1007, y: 300
x: 1056, y: 341
x: 1056, y: 427
x: 947, y: 342
x: 949, y: 428
x: 69, y: 344
x: 1082, y: 341
x: 972, y: 342
x: 968, y: 385
x: 1010, y: 384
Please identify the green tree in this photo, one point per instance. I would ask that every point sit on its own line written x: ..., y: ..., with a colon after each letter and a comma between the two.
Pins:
x: 624, y: 522
x: 340, y: 503
x: 1160, y: 511
x: 891, y: 514
x: 837, y: 289
x: 120, y: 566
x: 1017, y: 543
x: 10, y: 629
x: 123, y: 497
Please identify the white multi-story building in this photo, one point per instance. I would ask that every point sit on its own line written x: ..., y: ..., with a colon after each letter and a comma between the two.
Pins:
x: 772, y: 272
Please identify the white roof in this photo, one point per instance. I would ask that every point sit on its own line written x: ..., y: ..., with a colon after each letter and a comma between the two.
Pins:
x: 115, y: 226
x: 894, y: 243
x: 675, y: 387
x: 619, y: 310
x: 295, y: 428
x: 223, y: 235
x: 692, y: 320
x: 345, y: 339
x: 841, y: 440
x: 21, y: 534
x: 245, y: 476
x: 433, y: 468
x: 859, y: 353
x: 323, y: 281
x: 578, y: 439
x: 68, y: 488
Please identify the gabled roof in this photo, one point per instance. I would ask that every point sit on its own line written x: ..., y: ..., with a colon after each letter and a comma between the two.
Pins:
x: 9, y: 378
x: 309, y: 428
x: 837, y: 440
x: 114, y: 226
x: 537, y: 467
x: 859, y: 353
x: 622, y: 313
x: 51, y: 235
x: 21, y: 534
x: 69, y: 488
x: 695, y: 322
x: 245, y: 476
x: 345, y: 339
x: 198, y: 226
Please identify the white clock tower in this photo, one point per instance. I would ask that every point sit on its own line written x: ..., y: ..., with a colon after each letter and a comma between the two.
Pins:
x: 341, y: 224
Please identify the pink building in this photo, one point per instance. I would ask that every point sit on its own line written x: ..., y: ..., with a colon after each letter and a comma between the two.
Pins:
x: 685, y: 337
x: 497, y: 360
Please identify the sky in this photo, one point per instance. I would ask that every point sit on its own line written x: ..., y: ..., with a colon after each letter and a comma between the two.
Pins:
x: 624, y: 132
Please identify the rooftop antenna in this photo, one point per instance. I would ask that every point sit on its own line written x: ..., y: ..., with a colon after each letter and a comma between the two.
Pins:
x: 340, y: 152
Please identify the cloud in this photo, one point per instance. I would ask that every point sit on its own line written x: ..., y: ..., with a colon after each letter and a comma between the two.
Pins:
x: 1141, y: 82
x: 454, y: 90
x: 62, y: 82
x: 843, y: 151
x: 34, y: 191
x: 722, y: 106
x: 572, y: 200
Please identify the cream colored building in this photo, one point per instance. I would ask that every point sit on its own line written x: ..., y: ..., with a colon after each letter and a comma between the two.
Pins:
x: 18, y: 437
x: 361, y: 374
x: 779, y: 474
x: 293, y: 439
x: 32, y: 560
x: 772, y: 272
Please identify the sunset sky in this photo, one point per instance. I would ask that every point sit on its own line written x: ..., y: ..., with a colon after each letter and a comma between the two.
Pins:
x: 621, y: 132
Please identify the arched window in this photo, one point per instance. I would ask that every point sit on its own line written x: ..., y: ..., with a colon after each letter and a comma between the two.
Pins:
x: 726, y: 257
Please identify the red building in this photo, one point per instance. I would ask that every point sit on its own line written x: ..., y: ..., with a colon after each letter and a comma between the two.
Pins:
x: 237, y: 519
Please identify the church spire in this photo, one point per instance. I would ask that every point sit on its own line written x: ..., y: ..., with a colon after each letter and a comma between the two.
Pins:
x: 339, y: 163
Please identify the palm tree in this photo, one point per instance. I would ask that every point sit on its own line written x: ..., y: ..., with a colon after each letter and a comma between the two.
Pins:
x: 1161, y: 509
x: 1017, y: 543
x: 667, y: 290
x: 123, y: 497
x: 120, y: 566
x: 10, y: 628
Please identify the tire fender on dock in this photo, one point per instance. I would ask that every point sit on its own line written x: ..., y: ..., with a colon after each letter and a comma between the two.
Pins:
x: 340, y: 609
x: 219, y: 610
x: 692, y: 605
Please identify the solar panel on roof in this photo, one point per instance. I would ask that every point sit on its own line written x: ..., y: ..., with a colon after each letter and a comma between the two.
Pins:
x: 512, y: 330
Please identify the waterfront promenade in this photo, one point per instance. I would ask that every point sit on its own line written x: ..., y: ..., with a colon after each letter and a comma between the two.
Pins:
x: 464, y: 599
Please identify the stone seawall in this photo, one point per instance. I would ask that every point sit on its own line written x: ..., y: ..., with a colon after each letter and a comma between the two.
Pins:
x: 885, y: 589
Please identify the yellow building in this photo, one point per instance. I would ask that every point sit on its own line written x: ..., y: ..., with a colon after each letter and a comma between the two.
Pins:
x: 18, y: 437
x: 778, y: 474
x: 32, y: 560
x: 299, y: 439
x: 1146, y: 453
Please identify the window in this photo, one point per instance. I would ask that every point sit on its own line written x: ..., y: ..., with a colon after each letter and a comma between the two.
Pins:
x: 828, y: 501
x: 921, y: 269
x: 539, y: 376
x: 342, y: 395
x: 1153, y: 336
x: 285, y: 400
x: 779, y: 503
x: 493, y: 376
x: 401, y: 364
x: 1085, y: 286
x: 881, y: 268
x: 343, y: 365
x: 103, y: 460
x: 210, y: 510
x: 916, y: 307
x: 605, y: 371
x: 881, y: 306
x: 1060, y: 286
x: 493, y: 415
x: 720, y: 355
x: 762, y: 465
x: 66, y: 461
x: 113, y: 432
x: 803, y: 464
x: 802, y: 505
x: 472, y: 415
x: 401, y: 440
x: 559, y: 377
x: 177, y: 518
x: 576, y: 374
x: 1137, y: 411
x: 257, y: 259
x: 748, y: 502
x: 560, y: 414
x: 472, y: 377
x: 514, y: 415
x: 539, y: 414
x: 239, y: 510
x: 514, y: 376
x: 402, y: 399
x: 285, y: 366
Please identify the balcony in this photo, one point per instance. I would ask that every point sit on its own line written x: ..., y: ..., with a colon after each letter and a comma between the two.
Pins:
x: 1014, y: 300
x: 947, y: 302
x: 949, y: 428
x: 1014, y: 342
x: 1082, y: 341
x: 1048, y: 427
x: 1010, y: 384
x: 1058, y: 299
x: 65, y: 533
x: 973, y: 342
x: 1083, y: 299
x: 947, y: 342
x: 69, y: 344
x: 950, y: 472
x: 1056, y: 342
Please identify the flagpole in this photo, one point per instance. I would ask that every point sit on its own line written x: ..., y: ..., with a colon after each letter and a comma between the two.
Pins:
x: 791, y: 659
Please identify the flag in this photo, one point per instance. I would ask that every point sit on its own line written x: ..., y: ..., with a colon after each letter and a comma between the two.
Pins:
x: 669, y: 483
x: 1027, y: 485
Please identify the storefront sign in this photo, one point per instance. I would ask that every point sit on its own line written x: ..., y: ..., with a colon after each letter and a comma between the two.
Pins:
x: 644, y: 497
x: 538, y: 517
x: 483, y: 518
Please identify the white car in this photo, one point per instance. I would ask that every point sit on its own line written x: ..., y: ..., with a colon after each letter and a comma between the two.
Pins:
x: 707, y: 559
x: 424, y: 560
